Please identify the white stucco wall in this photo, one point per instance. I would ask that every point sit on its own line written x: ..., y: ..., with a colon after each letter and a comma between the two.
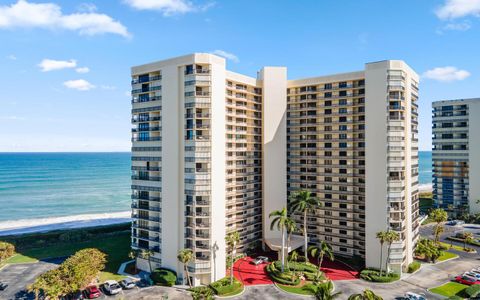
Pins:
x: 375, y: 159
x: 474, y: 155
x: 274, y: 144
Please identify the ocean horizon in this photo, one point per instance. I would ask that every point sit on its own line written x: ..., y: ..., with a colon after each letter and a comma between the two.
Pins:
x: 52, y: 187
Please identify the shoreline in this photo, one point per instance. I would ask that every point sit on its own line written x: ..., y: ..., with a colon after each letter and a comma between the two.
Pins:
x: 17, y: 227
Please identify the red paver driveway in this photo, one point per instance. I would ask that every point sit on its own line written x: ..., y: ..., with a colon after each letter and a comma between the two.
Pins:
x: 250, y: 274
x: 336, y: 270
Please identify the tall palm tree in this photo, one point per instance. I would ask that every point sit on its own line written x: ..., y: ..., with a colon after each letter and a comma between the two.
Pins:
x: 294, y: 257
x: 320, y: 251
x: 391, y: 236
x: 133, y: 255
x: 322, y: 291
x: 303, y: 202
x: 467, y: 238
x: 382, y: 237
x: 290, y: 226
x: 365, y: 295
x: 232, y: 240
x: 147, y: 254
x: 279, y: 219
x: 185, y: 256
x: 439, y: 216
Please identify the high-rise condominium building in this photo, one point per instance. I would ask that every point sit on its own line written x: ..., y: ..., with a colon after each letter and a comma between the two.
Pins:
x: 456, y: 155
x: 215, y: 152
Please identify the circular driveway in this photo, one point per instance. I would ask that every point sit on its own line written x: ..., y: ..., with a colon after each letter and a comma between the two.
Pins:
x: 250, y: 274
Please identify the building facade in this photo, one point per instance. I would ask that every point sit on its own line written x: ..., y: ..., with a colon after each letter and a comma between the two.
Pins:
x: 215, y: 151
x: 456, y: 148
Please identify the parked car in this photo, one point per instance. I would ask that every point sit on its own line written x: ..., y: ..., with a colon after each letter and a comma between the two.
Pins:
x: 413, y: 296
x: 260, y: 260
x: 468, y: 280
x: 112, y: 287
x: 3, y: 286
x: 127, y: 283
x: 473, y: 274
x: 74, y: 296
x: 92, y: 292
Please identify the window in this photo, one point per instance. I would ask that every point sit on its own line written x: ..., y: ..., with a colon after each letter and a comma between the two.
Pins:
x: 328, y: 95
x: 342, y: 84
x: 328, y: 86
x: 342, y: 102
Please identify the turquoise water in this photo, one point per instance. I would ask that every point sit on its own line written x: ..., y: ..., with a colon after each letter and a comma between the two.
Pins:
x: 46, y: 185
x: 41, y: 185
x: 425, y: 167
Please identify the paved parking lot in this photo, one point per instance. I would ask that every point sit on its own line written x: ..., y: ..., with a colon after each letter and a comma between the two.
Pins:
x: 19, y: 276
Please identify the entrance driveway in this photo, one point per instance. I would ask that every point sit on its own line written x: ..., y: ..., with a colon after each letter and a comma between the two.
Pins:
x: 250, y: 274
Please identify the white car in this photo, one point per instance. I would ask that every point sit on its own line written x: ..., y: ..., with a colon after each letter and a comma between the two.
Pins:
x: 127, y: 283
x: 472, y: 274
x: 413, y: 296
x: 260, y: 260
x: 112, y: 287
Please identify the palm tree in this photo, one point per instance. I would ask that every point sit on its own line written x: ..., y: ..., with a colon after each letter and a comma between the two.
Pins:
x: 232, y: 240
x: 320, y: 251
x: 279, y: 219
x: 294, y: 257
x: 290, y: 226
x: 467, y: 238
x: 185, y: 256
x: 365, y: 295
x: 392, y: 236
x: 439, y: 216
x: 146, y: 254
x: 303, y: 202
x: 322, y: 291
x: 382, y: 237
x: 133, y: 255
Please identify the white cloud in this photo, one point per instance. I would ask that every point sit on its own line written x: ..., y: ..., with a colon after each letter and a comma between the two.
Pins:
x: 51, y: 65
x: 11, y: 57
x: 87, y: 7
x: 464, y: 26
x: 79, y: 84
x: 453, y: 9
x: 82, y: 70
x: 50, y: 16
x: 12, y: 118
x: 168, y: 7
x: 108, y: 87
x: 446, y: 74
x: 227, y: 55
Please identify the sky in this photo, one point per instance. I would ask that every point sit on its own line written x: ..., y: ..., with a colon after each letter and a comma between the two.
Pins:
x: 65, y: 65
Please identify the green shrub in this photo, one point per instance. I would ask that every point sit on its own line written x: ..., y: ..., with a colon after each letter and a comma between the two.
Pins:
x: 298, y: 266
x: 283, y: 278
x: 6, y: 250
x: 472, y: 291
x: 202, y: 293
x: 373, y: 275
x: 223, y: 287
x: 229, y: 262
x: 455, y: 297
x: 460, y: 240
x: 413, y: 266
x: 165, y: 277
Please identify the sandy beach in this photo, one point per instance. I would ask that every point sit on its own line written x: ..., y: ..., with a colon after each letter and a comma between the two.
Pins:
x: 67, y: 222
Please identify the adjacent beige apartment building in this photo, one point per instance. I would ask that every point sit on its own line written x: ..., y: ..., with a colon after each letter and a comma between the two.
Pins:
x: 456, y: 153
x: 215, y: 151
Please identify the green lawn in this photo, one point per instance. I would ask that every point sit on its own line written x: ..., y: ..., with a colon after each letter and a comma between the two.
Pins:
x: 450, y: 289
x: 446, y: 245
x: 447, y: 255
x: 115, y: 246
x: 293, y: 290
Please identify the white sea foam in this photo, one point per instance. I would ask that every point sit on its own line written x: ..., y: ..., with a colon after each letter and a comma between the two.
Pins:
x: 67, y: 222
x: 427, y: 187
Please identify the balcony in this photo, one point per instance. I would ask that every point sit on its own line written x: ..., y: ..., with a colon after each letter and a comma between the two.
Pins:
x: 146, y: 99
x: 149, y: 178
x: 147, y: 218
x: 151, y: 228
x: 146, y: 79
x: 146, y: 139
x: 155, y: 128
x: 146, y: 207
x: 150, y: 198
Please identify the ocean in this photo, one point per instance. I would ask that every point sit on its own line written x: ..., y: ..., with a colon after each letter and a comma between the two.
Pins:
x: 46, y: 185
x: 38, y: 187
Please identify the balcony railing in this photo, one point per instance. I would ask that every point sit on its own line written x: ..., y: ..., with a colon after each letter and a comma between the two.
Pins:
x: 149, y: 178
x: 147, y: 139
x: 146, y: 79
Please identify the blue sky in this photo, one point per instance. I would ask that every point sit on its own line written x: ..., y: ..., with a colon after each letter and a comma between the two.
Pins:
x: 64, y: 65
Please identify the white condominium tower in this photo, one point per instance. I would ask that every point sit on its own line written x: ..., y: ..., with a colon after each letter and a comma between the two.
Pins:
x: 456, y: 155
x: 215, y: 152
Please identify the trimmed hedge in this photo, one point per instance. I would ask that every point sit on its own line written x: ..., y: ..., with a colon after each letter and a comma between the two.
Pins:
x: 202, y: 293
x: 413, y: 266
x: 460, y: 240
x: 373, y: 275
x: 165, y: 277
x: 278, y: 276
x: 298, y: 266
x: 473, y: 291
x: 223, y: 287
